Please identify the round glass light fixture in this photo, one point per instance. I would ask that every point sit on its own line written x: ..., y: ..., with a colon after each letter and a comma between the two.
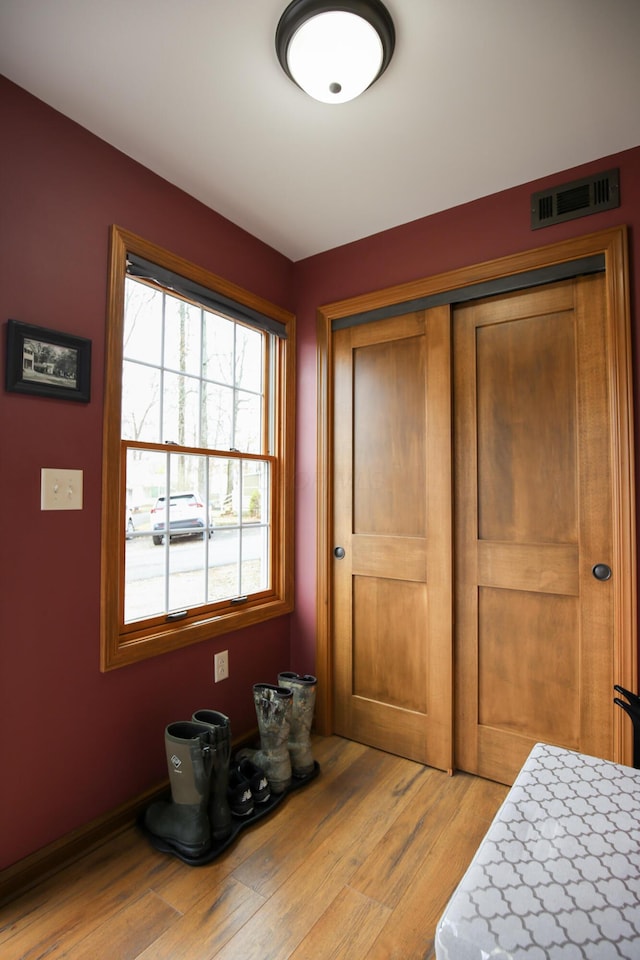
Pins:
x: 334, y: 51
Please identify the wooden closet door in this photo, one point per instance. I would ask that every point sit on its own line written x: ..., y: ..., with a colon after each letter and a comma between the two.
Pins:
x: 533, y: 509
x: 392, y: 600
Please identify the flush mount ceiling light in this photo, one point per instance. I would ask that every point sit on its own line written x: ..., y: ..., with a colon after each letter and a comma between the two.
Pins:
x: 334, y: 51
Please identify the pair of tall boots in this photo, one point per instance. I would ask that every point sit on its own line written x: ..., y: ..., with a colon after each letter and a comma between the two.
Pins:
x: 285, y: 714
x: 198, y: 814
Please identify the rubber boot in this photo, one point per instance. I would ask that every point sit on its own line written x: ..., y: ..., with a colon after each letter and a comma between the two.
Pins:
x: 303, y: 688
x: 273, y: 708
x: 183, y: 821
x: 219, y: 810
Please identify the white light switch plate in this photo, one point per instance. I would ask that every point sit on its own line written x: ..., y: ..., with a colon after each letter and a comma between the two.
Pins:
x: 60, y: 489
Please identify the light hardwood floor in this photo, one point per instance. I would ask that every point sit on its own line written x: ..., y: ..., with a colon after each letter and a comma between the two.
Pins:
x: 357, y: 864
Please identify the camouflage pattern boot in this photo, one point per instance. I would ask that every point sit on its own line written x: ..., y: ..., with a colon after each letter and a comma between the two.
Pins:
x: 273, y: 709
x: 303, y: 688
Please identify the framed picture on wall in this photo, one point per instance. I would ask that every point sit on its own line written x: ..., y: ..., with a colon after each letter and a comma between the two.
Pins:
x: 46, y: 363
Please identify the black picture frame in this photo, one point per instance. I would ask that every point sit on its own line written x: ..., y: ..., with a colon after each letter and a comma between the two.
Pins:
x: 47, y: 363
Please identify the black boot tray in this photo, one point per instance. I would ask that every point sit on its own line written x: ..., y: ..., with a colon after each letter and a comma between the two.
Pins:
x: 238, y: 824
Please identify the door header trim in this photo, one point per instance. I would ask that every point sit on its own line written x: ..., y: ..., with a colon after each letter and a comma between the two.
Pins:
x: 475, y: 291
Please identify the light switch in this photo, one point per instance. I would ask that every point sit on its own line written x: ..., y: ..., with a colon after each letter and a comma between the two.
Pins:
x: 60, y: 489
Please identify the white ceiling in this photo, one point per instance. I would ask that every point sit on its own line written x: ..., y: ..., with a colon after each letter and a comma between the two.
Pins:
x: 481, y: 95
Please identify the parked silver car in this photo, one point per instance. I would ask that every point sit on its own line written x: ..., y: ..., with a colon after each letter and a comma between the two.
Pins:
x: 187, y: 516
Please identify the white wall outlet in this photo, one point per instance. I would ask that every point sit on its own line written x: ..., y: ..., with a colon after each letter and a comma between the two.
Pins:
x: 221, y: 666
x: 60, y: 489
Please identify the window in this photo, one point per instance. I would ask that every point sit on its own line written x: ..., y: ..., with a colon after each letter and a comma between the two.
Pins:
x: 198, y: 456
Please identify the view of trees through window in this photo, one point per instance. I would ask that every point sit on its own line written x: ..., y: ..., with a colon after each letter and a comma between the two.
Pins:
x: 194, y: 434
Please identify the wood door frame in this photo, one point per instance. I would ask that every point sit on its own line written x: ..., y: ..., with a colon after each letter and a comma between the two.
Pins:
x: 613, y: 244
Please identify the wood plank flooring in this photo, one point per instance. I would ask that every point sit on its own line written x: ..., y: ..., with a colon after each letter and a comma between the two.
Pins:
x: 358, y: 864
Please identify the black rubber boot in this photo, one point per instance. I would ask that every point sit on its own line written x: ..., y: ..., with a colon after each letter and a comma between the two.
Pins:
x: 220, y: 730
x: 273, y: 709
x: 184, y: 821
x: 303, y: 688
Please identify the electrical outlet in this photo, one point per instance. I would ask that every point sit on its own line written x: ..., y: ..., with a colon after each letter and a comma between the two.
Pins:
x: 60, y: 489
x: 221, y: 666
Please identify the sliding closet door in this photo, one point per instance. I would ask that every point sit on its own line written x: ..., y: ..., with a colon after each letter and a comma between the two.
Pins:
x: 533, y: 515
x: 392, y: 549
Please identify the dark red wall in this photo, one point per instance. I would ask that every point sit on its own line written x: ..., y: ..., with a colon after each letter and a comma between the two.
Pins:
x: 75, y: 742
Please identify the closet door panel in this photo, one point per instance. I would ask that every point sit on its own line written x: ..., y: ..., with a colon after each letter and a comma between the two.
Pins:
x: 533, y: 508
x: 392, y: 582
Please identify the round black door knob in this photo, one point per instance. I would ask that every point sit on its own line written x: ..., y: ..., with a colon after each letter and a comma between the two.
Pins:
x: 338, y: 553
x: 601, y: 571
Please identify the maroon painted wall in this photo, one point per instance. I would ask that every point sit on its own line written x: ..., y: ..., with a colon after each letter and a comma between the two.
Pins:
x: 485, y: 229
x: 74, y: 742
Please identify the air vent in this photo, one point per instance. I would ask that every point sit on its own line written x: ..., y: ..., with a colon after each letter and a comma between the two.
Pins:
x: 580, y: 198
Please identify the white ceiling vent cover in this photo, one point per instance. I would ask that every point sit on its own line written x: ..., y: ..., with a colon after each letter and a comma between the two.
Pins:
x: 580, y: 198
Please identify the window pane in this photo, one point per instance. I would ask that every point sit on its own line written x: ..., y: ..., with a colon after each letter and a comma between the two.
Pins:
x: 182, y: 336
x: 255, y: 559
x: 248, y: 432
x: 253, y: 491
x: 187, y: 570
x: 181, y: 421
x: 140, y: 403
x: 255, y: 529
x: 217, y: 417
x: 144, y: 570
x: 249, y: 344
x: 217, y: 486
x: 144, y: 579
x: 224, y: 565
x: 142, y: 323
x: 224, y: 560
x: 230, y: 513
x: 217, y: 354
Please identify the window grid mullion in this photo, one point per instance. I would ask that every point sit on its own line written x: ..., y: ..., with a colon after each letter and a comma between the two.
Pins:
x: 162, y: 364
